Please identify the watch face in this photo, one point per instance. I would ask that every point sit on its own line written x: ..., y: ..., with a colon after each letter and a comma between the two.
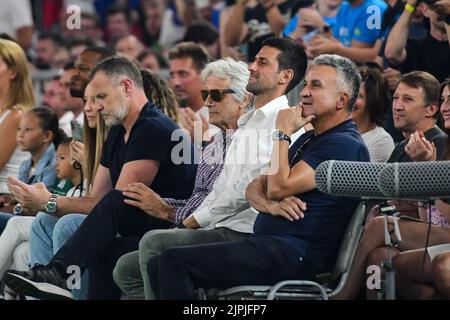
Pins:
x: 50, y: 207
x: 277, y: 134
x: 18, y: 209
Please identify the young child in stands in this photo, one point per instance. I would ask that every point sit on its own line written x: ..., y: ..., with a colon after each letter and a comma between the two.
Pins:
x: 39, y: 134
x: 14, y: 241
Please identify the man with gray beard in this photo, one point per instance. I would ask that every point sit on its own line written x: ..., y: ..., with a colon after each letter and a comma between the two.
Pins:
x: 138, y: 149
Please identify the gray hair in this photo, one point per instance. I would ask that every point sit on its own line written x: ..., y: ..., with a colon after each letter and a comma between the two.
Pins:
x: 116, y: 67
x: 349, y: 78
x: 228, y: 69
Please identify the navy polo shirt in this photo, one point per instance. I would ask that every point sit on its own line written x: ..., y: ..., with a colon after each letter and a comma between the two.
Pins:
x: 151, y: 139
x: 318, y: 235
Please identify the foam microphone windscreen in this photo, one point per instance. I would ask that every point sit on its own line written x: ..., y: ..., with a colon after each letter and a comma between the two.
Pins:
x: 416, y: 180
x: 350, y: 178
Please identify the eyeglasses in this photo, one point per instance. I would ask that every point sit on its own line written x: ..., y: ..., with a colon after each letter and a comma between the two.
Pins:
x: 216, y: 94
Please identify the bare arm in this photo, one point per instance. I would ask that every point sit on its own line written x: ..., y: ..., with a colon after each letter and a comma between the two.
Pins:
x: 233, y: 27
x: 395, y: 51
x: 102, y: 185
x: 443, y: 208
x: 291, y: 208
x: 284, y: 184
x: 256, y: 194
x: 8, y: 131
x: 282, y: 180
x: 24, y: 37
x: 360, y: 52
x: 135, y: 171
x: 34, y: 197
x: 226, y: 50
x: 274, y: 17
x: 223, y: 18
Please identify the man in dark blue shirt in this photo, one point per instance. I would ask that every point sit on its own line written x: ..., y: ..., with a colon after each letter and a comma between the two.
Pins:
x: 151, y: 139
x: 290, y: 240
x: 138, y: 149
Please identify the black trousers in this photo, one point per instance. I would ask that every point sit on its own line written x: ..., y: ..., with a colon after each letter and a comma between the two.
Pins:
x: 177, y: 272
x: 101, y: 281
x: 93, y: 243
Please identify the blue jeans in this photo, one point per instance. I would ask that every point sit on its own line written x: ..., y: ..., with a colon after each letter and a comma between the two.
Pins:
x: 48, y: 235
x: 4, y: 217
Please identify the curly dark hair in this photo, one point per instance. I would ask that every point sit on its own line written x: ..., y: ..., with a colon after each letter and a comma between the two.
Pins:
x: 158, y: 91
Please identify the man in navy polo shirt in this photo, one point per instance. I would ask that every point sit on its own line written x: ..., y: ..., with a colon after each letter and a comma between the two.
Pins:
x: 290, y: 240
x: 140, y: 138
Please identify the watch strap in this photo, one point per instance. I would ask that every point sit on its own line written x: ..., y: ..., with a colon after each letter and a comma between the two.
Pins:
x: 280, y: 135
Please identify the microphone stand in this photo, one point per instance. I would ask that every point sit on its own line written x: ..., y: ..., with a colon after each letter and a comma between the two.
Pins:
x: 388, y: 285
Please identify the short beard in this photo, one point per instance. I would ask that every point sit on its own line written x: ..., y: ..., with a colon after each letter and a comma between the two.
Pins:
x: 254, y: 88
x: 118, y: 116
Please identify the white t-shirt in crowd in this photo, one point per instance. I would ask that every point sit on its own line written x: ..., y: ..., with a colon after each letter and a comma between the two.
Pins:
x: 12, y: 167
x: 171, y: 33
x: 14, y: 15
x: 379, y: 143
x: 64, y: 123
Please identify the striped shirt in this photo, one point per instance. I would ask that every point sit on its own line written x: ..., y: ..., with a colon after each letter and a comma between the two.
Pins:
x: 209, y: 168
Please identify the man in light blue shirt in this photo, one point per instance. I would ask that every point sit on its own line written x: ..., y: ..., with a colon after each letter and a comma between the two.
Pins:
x: 356, y: 20
x: 355, y: 34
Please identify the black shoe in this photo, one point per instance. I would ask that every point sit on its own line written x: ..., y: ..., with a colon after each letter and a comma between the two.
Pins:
x: 42, y: 282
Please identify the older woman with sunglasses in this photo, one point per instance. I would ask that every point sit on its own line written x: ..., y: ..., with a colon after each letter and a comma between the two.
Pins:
x: 369, y: 112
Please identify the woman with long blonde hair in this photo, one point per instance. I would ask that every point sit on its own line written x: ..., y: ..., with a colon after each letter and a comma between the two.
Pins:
x: 89, y: 152
x: 16, y: 96
x: 49, y: 233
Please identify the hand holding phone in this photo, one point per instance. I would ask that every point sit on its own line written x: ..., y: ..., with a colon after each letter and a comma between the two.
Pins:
x: 77, y: 130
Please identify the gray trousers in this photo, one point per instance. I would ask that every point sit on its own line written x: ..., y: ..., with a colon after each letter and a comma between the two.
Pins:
x: 131, y: 273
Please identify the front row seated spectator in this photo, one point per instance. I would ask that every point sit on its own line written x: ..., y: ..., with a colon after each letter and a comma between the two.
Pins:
x: 48, y: 231
x: 225, y: 110
x: 285, y: 244
x: 39, y: 134
x: 277, y: 70
x: 138, y: 149
x: 15, y: 239
x: 225, y: 214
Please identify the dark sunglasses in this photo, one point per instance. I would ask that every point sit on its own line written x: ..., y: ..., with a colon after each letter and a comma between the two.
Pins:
x: 216, y: 94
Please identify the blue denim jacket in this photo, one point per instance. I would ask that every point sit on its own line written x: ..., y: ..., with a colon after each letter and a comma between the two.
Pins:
x: 45, y: 169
